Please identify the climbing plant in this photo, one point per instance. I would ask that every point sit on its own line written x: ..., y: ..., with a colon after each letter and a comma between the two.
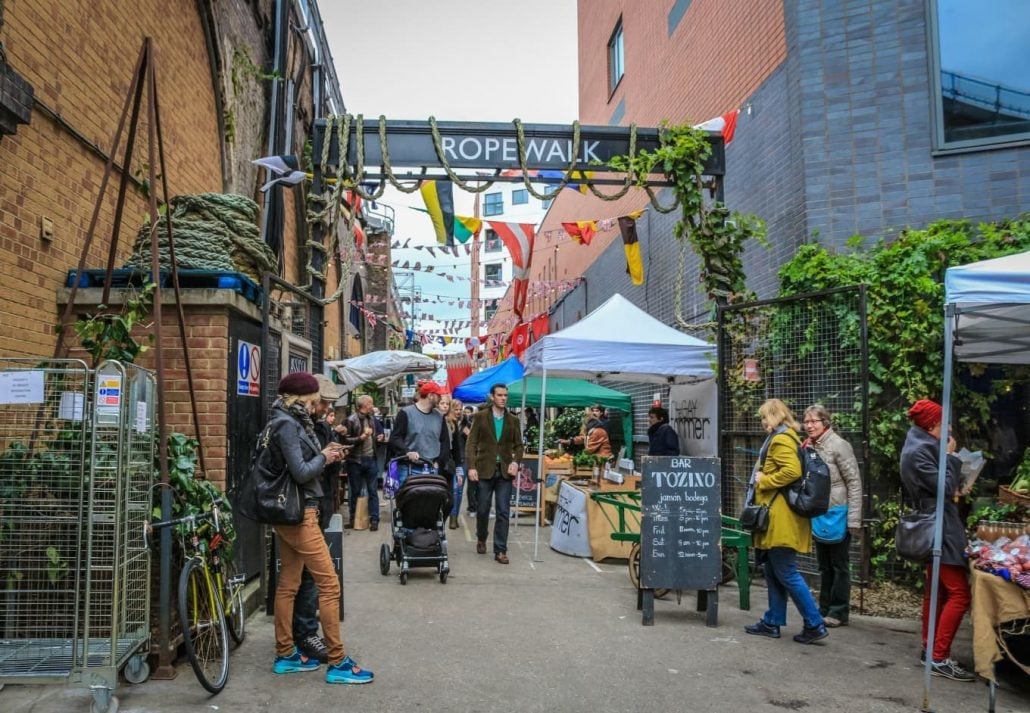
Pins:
x: 717, y: 235
x: 108, y: 335
x: 905, y: 322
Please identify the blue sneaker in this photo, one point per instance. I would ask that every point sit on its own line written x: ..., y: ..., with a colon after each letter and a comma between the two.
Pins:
x: 293, y: 663
x: 348, y: 672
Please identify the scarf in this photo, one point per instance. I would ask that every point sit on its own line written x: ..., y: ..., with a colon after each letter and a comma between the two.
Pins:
x: 300, y: 412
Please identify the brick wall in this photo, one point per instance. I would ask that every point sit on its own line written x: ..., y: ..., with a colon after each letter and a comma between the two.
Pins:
x: 79, y: 57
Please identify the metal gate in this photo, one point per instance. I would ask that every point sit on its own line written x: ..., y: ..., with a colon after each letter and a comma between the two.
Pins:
x: 76, y: 471
x: 804, y: 349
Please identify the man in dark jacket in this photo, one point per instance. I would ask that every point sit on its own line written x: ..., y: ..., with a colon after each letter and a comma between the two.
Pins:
x: 359, y: 433
x: 919, y: 467
x: 492, y: 452
x: 661, y: 437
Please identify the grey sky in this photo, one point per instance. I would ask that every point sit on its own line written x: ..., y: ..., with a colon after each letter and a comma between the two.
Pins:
x: 456, y: 60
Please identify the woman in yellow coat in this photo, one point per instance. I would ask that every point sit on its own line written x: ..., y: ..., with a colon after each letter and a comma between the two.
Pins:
x: 777, y: 548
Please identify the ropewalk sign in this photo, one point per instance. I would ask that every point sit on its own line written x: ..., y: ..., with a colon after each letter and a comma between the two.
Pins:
x: 496, y: 146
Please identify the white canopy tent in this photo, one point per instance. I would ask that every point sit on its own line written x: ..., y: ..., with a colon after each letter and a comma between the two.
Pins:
x: 621, y: 341
x: 986, y: 319
x: 381, y: 367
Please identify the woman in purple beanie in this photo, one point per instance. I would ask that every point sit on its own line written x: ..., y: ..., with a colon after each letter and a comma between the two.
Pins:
x: 292, y: 444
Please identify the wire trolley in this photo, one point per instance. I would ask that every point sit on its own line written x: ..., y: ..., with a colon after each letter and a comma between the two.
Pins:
x: 76, y: 469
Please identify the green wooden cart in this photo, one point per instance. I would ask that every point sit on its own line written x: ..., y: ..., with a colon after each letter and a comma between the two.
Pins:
x: 735, y: 542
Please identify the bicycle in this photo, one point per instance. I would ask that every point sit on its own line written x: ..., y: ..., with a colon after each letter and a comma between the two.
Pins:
x: 210, y: 599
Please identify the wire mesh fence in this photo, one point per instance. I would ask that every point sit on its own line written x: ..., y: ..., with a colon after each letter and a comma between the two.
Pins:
x: 76, y: 469
x: 802, y: 350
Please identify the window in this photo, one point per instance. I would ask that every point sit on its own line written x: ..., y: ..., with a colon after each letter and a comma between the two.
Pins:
x: 520, y: 196
x: 493, y: 204
x: 492, y: 272
x: 545, y: 204
x: 492, y: 243
x: 490, y: 310
x: 981, y: 76
x: 616, y: 58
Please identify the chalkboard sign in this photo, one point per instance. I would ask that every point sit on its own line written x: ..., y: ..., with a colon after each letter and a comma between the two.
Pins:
x: 526, y: 484
x: 680, y: 524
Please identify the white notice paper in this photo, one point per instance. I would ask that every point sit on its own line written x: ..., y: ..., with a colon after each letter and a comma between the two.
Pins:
x: 21, y: 387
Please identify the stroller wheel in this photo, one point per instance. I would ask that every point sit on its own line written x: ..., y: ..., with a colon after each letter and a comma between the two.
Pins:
x: 404, y: 577
x: 443, y: 576
x: 384, y: 559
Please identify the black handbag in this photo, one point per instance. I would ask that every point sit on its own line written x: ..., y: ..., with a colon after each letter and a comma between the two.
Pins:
x: 268, y: 497
x: 913, y: 537
x: 755, y: 518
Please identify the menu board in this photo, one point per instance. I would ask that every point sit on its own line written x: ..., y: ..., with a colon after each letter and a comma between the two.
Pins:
x: 525, y: 484
x: 680, y: 524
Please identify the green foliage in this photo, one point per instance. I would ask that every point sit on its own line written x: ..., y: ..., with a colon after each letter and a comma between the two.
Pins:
x: 905, y: 322
x: 567, y: 423
x: 193, y: 495
x: 1021, y: 481
x: 108, y: 335
x: 716, y: 235
x: 998, y: 512
x: 884, y: 560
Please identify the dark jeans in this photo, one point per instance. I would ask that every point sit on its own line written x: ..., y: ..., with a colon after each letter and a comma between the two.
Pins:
x: 783, y: 580
x: 364, y: 476
x: 835, y: 578
x: 305, y: 608
x: 499, y: 488
x: 473, y: 496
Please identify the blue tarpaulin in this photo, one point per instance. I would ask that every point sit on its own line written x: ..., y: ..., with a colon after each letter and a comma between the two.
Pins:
x: 476, y: 388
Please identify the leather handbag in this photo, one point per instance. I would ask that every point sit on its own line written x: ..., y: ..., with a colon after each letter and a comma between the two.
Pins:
x: 269, y: 497
x: 755, y: 518
x: 913, y: 538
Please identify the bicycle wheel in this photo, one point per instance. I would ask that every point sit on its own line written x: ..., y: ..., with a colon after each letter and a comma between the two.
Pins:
x: 203, y: 626
x: 634, y: 571
x: 230, y: 584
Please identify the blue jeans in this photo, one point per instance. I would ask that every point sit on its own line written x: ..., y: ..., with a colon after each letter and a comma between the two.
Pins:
x: 459, y: 485
x: 500, y: 488
x: 364, y: 476
x: 782, y: 578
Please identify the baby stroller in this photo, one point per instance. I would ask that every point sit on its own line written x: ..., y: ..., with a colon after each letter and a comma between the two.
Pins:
x: 420, y: 499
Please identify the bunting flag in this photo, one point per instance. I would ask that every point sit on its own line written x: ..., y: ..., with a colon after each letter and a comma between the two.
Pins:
x: 634, y: 262
x: 439, y: 200
x: 518, y: 237
x: 582, y: 231
x: 725, y: 125
x: 541, y: 326
x: 520, y: 339
x: 466, y: 227
x: 574, y: 176
x: 355, y: 202
x: 284, y: 168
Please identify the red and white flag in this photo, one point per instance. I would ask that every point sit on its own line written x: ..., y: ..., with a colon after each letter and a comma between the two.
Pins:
x: 520, y: 339
x: 725, y: 125
x: 518, y: 238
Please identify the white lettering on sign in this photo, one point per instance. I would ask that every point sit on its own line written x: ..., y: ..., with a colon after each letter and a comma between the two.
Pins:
x: 684, y: 479
x: 472, y: 148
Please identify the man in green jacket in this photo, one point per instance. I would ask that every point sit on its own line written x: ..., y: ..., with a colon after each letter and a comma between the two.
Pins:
x: 492, y: 453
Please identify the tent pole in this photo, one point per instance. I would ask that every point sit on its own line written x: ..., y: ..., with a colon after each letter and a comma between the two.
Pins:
x: 540, y: 461
x: 522, y: 430
x: 938, y: 523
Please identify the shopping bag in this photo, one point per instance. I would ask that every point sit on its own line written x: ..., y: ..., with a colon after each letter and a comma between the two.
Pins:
x: 832, y: 526
x: 361, y: 513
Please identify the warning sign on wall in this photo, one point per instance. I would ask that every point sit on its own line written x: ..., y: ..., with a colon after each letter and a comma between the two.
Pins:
x: 248, y: 369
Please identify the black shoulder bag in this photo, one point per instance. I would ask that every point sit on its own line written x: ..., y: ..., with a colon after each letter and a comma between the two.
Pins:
x: 268, y: 497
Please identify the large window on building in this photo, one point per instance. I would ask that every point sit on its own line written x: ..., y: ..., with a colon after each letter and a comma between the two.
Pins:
x: 493, y: 204
x: 490, y: 309
x: 520, y: 196
x: 981, y: 72
x: 492, y: 272
x: 616, y: 57
x: 492, y: 242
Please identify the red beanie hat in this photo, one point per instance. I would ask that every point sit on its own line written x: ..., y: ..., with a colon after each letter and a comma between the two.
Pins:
x: 925, y: 413
x: 300, y: 383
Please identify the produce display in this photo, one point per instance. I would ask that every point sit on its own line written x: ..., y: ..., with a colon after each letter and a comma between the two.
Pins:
x: 1021, y: 483
x: 1004, y: 557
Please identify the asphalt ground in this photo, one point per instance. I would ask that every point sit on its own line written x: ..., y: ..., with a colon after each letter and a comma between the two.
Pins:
x: 555, y: 634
